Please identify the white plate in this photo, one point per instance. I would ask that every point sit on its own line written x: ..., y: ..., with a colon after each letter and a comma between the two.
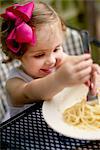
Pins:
x: 52, y: 113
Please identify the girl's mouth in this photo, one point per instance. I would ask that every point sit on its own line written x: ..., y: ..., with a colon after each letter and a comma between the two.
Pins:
x: 48, y: 71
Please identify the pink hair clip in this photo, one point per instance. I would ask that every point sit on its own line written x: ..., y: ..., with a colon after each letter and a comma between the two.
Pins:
x: 22, y: 32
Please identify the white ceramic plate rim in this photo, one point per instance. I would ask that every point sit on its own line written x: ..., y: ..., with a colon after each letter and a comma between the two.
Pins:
x: 52, y: 113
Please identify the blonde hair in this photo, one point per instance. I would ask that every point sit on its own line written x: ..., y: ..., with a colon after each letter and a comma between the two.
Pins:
x: 43, y: 13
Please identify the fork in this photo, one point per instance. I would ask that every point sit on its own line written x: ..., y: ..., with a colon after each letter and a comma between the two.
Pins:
x: 91, y: 98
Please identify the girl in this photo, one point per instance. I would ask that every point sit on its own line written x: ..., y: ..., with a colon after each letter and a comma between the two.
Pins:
x: 35, y: 37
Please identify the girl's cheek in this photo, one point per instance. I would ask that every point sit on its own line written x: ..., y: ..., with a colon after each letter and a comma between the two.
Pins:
x: 41, y: 62
x: 60, y: 61
x: 64, y: 56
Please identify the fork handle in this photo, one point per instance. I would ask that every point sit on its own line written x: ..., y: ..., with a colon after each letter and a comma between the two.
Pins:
x: 85, y: 40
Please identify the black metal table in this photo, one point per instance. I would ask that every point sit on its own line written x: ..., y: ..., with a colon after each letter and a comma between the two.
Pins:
x: 29, y: 131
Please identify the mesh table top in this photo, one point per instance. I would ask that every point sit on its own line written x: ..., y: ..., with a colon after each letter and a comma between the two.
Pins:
x: 29, y: 131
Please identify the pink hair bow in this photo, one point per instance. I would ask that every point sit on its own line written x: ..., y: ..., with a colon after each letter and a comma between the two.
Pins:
x: 22, y: 32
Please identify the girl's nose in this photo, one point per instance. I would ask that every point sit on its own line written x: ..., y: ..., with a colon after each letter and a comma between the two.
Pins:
x: 50, y: 61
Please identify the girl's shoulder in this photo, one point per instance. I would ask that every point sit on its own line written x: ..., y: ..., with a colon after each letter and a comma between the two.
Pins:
x: 17, y: 72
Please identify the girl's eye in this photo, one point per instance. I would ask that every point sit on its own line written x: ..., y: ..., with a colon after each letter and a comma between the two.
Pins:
x: 57, y: 49
x: 39, y: 55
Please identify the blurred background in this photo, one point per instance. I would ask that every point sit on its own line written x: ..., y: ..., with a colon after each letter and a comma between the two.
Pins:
x: 79, y: 14
x: 84, y: 14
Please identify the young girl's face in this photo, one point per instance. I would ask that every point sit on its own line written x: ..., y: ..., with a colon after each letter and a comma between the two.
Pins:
x: 47, y: 54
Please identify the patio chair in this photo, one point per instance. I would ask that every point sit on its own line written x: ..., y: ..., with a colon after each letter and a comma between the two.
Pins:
x: 72, y: 46
x: 4, y: 69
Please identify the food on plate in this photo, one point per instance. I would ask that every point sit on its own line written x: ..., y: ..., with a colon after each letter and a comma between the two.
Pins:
x: 83, y: 115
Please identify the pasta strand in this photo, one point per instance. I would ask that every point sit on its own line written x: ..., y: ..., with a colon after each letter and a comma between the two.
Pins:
x: 83, y: 115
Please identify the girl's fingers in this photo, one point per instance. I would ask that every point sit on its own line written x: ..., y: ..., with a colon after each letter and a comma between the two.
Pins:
x: 96, y: 68
x: 81, y: 58
x: 85, y: 72
x: 87, y: 83
x: 84, y: 64
x: 77, y: 59
x: 85, y: 79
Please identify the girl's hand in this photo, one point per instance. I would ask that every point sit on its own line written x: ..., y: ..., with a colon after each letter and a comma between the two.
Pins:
x: 75, y: 70
x: 96, y: 68
x: 95, y: 78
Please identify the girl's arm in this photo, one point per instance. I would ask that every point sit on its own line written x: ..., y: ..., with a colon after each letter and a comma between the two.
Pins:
x: 74, y: 70
x: 38, y: 89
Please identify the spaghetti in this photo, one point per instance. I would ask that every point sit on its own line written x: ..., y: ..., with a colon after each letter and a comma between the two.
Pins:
x: 83, y: 115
